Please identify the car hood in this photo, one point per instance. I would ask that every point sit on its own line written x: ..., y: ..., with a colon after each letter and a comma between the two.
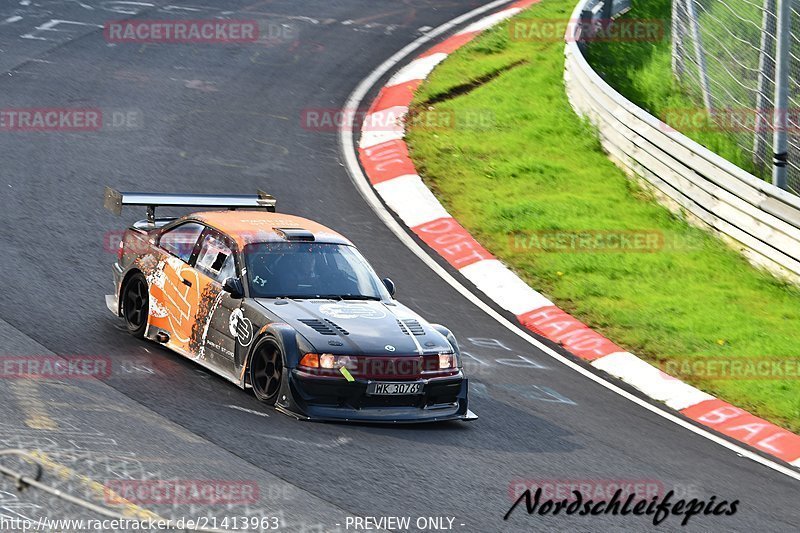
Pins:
x: 359, y: 327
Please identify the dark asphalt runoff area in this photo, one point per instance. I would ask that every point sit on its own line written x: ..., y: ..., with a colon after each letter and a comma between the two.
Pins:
x: 228, y: 118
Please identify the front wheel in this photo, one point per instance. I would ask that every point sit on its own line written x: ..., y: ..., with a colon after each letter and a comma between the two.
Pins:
x: 135, y: 305
x: 266, y: 368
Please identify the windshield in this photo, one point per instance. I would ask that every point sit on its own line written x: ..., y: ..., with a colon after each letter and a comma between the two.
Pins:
x: 310, y: 270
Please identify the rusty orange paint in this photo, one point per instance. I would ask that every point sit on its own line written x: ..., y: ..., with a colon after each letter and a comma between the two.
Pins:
x: 174, y: 303
x: 254, y: 226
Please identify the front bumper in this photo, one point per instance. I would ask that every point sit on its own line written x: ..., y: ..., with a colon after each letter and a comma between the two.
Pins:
x: 112, y: 300
x: 331, y: 398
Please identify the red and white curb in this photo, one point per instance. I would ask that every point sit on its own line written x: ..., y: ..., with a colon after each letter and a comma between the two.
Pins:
x: 384, y: 157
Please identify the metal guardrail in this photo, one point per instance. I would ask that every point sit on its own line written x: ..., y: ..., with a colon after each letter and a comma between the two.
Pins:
x: 755, y: 217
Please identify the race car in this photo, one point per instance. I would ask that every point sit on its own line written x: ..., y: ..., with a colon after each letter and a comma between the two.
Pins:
x: 283, y: 306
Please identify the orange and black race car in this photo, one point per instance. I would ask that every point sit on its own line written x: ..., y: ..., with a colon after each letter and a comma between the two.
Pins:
x: 284, y: 306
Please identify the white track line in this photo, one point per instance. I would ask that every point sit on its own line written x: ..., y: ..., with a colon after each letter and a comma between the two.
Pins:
x: 246, y: 410
x: 348, y: 147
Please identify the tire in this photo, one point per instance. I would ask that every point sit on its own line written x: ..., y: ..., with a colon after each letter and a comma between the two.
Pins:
x: 136, y: 305
x: 266, y: 371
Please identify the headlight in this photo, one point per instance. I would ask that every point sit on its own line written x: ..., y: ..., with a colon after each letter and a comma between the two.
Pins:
x: 310, y: 360
x: 346, y: 361
x: 447, y: 361
x: 328, y: 361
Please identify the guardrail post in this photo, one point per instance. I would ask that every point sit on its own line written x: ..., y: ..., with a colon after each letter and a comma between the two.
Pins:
x: 780, y: 138
x: 766, y: 73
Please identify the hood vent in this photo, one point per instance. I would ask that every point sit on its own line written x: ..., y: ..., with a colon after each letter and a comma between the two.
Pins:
x: 295, y: 234
x: 411, y: 326
x: 323, y: 327
x: 339, y: 328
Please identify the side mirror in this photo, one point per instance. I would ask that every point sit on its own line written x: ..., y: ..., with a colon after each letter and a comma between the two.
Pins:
x: 233, y: 286
x: 389, y: 284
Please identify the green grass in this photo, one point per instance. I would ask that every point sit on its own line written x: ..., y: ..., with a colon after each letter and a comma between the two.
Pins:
x: 540, y: 167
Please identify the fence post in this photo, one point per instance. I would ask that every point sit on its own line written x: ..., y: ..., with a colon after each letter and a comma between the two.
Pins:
x: 606, y: 10
x: 766, y: 73
x: 585, y: 25
x: 780, y: 121
x: 699, y: 55
x: 678, y: 65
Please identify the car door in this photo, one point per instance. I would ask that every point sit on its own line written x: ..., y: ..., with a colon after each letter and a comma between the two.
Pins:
x: 174, y: 286
x: 218, y: 319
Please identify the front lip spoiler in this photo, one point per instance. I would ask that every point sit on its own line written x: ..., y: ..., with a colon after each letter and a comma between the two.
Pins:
x: 113, y: 304
x: 112, y: 300
x: 300, y: 403
x: 469, y: 416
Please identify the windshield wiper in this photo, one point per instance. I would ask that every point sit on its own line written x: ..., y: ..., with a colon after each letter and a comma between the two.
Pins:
x: 338, y: 297
x: 347, y: 297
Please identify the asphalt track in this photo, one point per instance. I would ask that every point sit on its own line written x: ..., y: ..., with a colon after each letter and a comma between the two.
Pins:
x: 227, y: 118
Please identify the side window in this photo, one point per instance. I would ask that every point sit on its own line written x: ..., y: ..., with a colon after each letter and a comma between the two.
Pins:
x: 180, y: 241
x: 215, y: 259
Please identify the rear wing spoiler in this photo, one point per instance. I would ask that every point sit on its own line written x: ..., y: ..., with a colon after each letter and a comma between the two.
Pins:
x: 115, y: 200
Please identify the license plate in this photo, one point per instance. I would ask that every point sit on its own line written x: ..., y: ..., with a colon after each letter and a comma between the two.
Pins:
x: 393, y: 389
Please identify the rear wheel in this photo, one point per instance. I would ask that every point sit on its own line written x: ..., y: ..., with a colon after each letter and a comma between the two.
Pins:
x: 266, y: 368
x: 135, y: 305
